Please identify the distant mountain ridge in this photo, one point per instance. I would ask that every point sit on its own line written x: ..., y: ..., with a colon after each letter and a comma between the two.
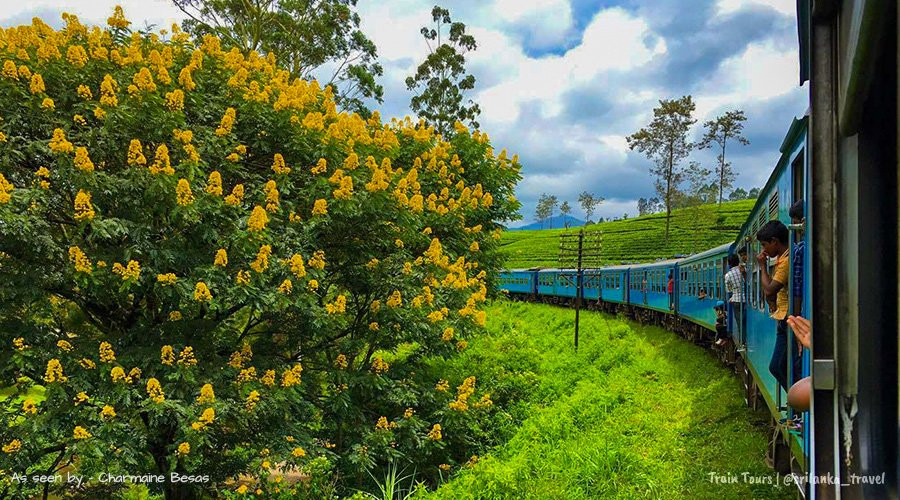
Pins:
x: 555, y: 222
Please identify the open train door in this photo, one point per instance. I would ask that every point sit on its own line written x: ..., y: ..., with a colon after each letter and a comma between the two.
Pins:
x: 849, y: 53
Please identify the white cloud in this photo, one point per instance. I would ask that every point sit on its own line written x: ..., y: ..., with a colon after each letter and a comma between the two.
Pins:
x: 547, y: 22
x: 786, y: 7
x: 760, y: 72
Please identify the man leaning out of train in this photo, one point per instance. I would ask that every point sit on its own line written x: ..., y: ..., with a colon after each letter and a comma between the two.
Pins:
x: 773, y: 237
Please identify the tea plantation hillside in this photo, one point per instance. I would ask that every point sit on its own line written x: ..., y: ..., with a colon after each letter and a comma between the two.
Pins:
x: 640, y: 239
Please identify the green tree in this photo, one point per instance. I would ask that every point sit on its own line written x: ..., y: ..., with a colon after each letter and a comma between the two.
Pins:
x: 718, y: 133
x: 665, y: 142
x: 753, y: 194
x: 312, y: 38
x: 209, y: 275
x: 441, y: 80
x: 698, y: 179
x: 565, y: 209
x: 589, y: 203
x: 738, y: 194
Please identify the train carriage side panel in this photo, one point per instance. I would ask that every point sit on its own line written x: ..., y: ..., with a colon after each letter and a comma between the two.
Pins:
x: 649, y: 285
x: 614, y: 284
x: 702, y: 272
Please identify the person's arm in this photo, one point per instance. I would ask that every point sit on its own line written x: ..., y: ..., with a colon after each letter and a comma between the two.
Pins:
x: 770, y: 286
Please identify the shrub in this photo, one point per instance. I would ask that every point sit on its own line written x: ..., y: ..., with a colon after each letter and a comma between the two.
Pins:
x: 209, y: 269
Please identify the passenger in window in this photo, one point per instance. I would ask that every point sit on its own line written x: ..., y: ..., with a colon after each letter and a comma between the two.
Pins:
x: 721, y: 323
x: 797, y: 254
x: 773, y: 237
x: 670, y: 289
x: 734, y: 285
x: 702, y: 295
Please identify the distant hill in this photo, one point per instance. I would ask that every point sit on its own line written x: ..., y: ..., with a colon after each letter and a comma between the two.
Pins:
x: 555, y: 222
x: 640, y: 239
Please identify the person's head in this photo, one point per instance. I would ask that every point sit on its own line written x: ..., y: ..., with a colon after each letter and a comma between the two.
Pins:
x: 733, y: 260
x: 702, y: 290
x: 720, y: 306
x: 742, y: 254
x: 774, y: 237
x: 796, y: 212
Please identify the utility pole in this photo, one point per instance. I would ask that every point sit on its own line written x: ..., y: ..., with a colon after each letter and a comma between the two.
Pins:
x: 579, y: 251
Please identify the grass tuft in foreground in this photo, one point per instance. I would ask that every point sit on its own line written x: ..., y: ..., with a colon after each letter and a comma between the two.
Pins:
x: 636, y: 413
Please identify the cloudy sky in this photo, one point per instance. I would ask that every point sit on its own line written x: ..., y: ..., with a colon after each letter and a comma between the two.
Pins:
x: 563, y: 82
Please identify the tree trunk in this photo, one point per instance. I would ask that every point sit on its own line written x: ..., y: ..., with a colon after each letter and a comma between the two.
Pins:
x: 722, y: 171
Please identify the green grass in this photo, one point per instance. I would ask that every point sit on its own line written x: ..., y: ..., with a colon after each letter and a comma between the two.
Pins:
x: 637, y: 413
x: 640, y: 239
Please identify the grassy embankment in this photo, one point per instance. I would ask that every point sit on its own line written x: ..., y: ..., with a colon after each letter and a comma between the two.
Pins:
x: 640, y: 239
x: 636, y: 413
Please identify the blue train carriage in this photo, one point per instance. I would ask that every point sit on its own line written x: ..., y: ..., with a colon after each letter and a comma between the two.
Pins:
x: 701, y: 283
x: 557, y: 284
x: 614, y: 284
x: 521, y: 282
x: 786, y: 185
x: 649, y: 285
x: 591, y: 283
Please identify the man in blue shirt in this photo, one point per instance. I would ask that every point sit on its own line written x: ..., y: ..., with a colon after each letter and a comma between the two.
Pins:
x: 797, y: 255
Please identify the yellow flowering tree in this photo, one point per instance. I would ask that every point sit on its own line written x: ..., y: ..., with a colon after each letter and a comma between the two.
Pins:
x: 208, y: 267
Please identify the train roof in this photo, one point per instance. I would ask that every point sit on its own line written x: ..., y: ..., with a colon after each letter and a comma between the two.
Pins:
x: 659, y: 263
x: 721, y: 249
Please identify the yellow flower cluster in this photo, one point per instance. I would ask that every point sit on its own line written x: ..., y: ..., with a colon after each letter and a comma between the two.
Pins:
x: 207, y: 395
x: 108, y: 412
x: 252, y: 400
x: 131, y: 272
x: 383, y: 424
x: 84, y: 210
x: 395, y: 300
x: 183, y: 194
x: 108, y: 89
x: 64, y: 345
x: 163, y: 164
x: 29, y: 407
x: 186, y: 358
x: 155, y: 391
x: 81, y: 433
x: 227, y: 122
x: 317, y: 261
x: 463, y: 393
x: 291, y: 377
x: 183, y: 449
x: 167, y: 355
x: 13, y: 446
x: 82, y: 160
x: 340, y: 362
x: 201, y: 292
x: 320, y: 207
x: 54, y: 372
x: 167, y: 278
x: 261, y: 263
x: 84, y: 92
x: 205, y: 419
x: 286, y: 287
x: 236, y: 196
x: 447, y: 336
x: 117, y: 374
x: 242, y: 278
x: 175, y: 100
x: 5, y: 189
x: 435, y: 433
x: 257, y: 220
x: 107, y: 355
x: 278, y: 165
x: 339, y: 306
x: 214, y: 183
x: 136, y: 154
x: 379, y: 365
